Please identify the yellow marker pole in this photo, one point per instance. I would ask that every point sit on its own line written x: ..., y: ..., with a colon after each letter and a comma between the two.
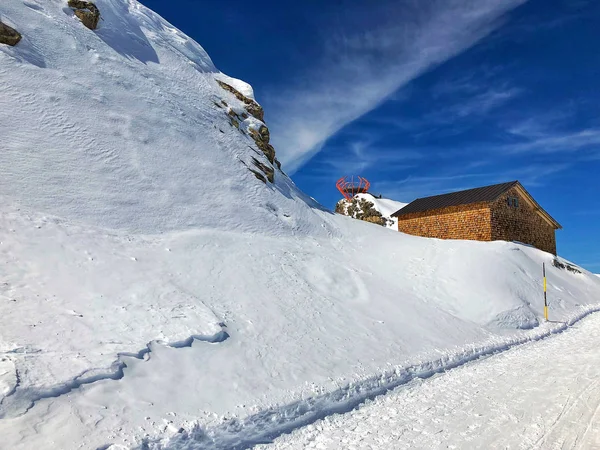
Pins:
x: 545, y: 298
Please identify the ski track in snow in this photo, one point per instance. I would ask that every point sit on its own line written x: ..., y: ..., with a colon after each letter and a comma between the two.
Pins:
x: 268, y: 425
x: 18, y: 401
x: 542, y: 396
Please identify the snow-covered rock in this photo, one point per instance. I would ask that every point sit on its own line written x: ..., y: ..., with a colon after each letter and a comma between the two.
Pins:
x: 372, y: 209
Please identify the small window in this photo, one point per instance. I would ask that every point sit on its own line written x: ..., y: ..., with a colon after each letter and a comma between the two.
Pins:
x: 516, y: 202
x: 513, y: 202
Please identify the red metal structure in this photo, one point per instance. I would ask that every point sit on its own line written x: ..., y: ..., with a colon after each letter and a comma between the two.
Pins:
x: 350, y: 186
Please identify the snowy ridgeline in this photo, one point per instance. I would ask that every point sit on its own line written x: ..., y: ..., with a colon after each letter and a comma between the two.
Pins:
x: 150, y: 281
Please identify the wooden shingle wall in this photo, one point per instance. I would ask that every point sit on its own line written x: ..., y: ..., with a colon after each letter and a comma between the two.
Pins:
x: 454, y: 222
x: 521, y: 223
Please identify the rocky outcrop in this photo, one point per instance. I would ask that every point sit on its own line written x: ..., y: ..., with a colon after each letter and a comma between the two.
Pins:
x: 88, y: 13
x: 361, y: 209
x: 261, y: 136
x: 565, y: 266
x: 268, y: 171
x: 252, y: 107
x: 8, y: 35
x: 259, y: 175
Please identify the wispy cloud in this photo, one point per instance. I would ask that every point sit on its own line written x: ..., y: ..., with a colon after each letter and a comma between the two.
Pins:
x: 361, y: 68
x: 454, y: 105
x: 549, y: 133
x: 477, y: 105
x: 572, y: 141
x: 468, y: 175
x: 362, y: 155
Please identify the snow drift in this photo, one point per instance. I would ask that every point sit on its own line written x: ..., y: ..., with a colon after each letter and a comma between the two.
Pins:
x: 151, y: 280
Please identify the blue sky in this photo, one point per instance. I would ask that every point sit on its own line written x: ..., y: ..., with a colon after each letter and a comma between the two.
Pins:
x: 423, y: 96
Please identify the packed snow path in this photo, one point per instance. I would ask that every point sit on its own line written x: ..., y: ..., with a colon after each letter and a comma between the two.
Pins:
x: 542, y: 395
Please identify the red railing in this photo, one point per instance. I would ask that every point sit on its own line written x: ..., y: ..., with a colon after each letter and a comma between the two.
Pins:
x: 350, y: 186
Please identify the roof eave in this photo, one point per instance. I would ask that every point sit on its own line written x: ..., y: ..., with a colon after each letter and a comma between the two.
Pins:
x: 538, y: 209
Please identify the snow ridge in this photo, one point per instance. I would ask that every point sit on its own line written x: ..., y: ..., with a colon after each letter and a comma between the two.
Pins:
x: 267, y: 425
x: 18, y: 402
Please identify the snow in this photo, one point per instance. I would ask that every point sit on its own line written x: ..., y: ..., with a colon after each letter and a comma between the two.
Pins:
x: 150, y: 282
x: 117, y: 128
x: 241, y: 86
x: 511, y: 401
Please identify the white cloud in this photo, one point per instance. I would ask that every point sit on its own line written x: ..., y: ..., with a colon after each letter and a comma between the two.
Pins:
x: 362, y: 155
x: 550, y: 133
x: 360, y: 69
x: 481, y: 104
x: 572, y: 141
x: 463, y: 176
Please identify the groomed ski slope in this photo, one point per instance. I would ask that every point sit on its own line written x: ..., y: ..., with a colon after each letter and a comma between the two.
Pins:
x: 150, y: 282
x: 543, y: 395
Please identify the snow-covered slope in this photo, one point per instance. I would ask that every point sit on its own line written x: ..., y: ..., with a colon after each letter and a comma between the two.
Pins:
x: 150, y: 280
x: 123, y: 127
x: 384, y: 206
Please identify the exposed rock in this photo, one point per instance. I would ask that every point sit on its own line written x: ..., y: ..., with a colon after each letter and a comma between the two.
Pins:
x: 259, y: 176
x: 567, y: 266
x: 234, y: 119
x: 261, y: 137
x: 8, y: 35
x: 376, y: 220
x: 264, y: 134
x: 268, y: 171
x: 251, y: 106
x: 88, y: 13
x: 361, y: 209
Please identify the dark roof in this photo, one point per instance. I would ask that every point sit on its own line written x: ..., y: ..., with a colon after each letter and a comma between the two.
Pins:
x: 477, y: 195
